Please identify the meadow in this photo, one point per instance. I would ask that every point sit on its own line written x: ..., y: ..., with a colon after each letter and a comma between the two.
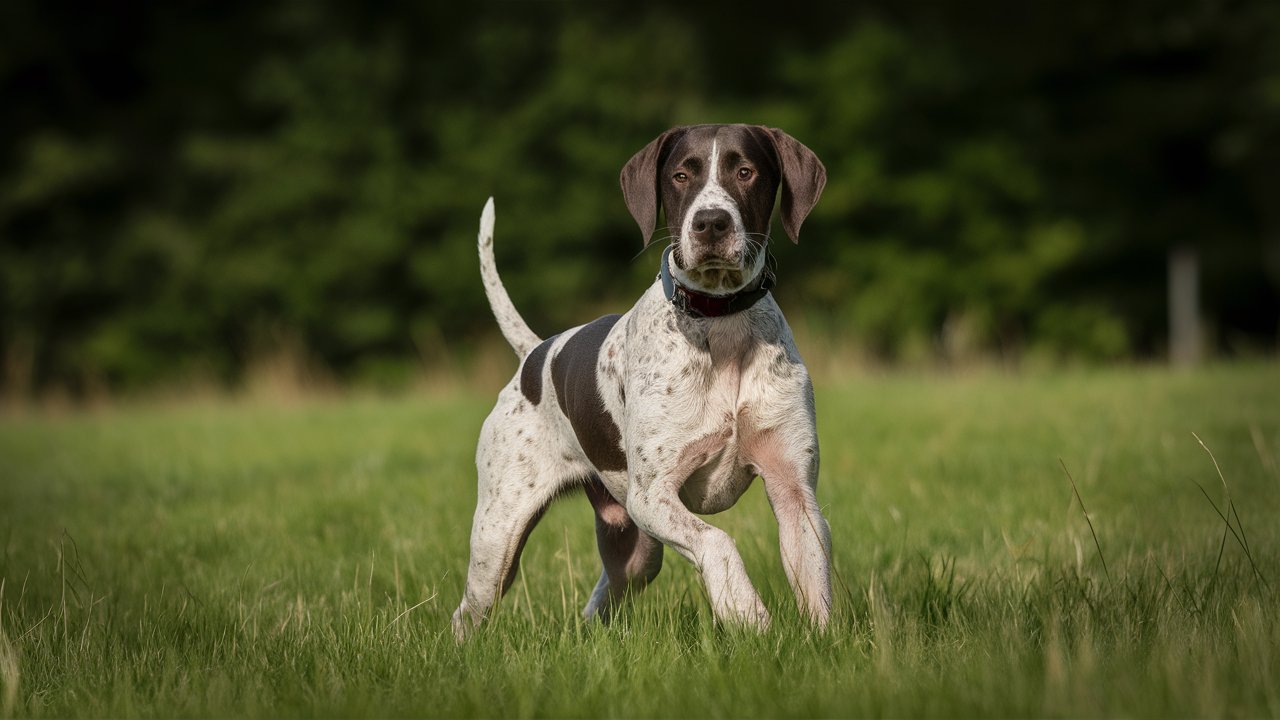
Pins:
x: 253, y: 557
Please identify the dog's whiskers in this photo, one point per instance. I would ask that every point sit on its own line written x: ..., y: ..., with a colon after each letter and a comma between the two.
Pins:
x: 655, y: 242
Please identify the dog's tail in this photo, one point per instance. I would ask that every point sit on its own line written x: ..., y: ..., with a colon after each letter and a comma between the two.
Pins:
x: 513, y: 327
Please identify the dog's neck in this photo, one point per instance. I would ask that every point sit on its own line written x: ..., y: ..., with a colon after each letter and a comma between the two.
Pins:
x: 699, y: 304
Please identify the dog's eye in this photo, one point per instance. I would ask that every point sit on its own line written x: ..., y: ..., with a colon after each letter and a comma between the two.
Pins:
x: 680, y: 178
x: 745, y: 173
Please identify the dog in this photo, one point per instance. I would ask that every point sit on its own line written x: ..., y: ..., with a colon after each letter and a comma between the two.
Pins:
x: 674, y: 407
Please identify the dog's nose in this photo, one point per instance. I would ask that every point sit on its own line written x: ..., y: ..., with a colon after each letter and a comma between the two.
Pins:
x: 711, y: 224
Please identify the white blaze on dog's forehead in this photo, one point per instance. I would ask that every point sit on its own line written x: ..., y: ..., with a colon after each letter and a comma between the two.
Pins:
x: 713, y: 196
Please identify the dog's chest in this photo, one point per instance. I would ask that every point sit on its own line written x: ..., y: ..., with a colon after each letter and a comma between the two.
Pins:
x: 729, y: 393
x: 705, y: 387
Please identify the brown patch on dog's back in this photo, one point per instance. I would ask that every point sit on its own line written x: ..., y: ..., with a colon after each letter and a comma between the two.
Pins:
x: 531, y: 371
x: 573, y: 373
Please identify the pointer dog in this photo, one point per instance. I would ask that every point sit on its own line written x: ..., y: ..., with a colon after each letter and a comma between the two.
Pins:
x: 674, y: 407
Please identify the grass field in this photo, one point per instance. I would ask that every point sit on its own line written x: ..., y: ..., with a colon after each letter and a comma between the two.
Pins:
x: 233, y: 558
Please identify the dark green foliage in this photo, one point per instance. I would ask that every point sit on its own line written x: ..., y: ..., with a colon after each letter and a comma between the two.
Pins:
x: 185, y: 189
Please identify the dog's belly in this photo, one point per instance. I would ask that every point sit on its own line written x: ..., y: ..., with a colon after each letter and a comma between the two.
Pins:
x: 722, y: 478
x: 711, y: 487
x: 718, y: 484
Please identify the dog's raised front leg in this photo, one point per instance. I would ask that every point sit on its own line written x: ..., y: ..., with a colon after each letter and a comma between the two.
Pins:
x: 710, y: 549
x: 787, y: 459
x: 653, y: 501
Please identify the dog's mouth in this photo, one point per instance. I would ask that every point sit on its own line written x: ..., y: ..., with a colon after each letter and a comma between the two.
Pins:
x: 718, y: 264
x: 717, y: 281
x: 718, y: 275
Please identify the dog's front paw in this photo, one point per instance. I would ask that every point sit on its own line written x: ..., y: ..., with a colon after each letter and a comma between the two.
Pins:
x: 756, y: 617
x: 464, y: 622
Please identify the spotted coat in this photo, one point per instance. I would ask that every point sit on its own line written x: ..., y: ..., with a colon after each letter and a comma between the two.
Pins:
x: 662, y: 416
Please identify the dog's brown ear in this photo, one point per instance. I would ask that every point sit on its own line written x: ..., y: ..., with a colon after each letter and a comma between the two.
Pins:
x: 803, y: 178
x: 640, y: 182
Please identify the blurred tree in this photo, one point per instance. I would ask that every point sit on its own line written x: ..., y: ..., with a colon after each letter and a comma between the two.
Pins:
x: 184, y: 188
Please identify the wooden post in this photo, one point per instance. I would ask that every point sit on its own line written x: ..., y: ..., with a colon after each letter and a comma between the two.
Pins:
x: 1186, y: 346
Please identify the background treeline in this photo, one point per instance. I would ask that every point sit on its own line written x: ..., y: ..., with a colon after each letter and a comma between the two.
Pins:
x: 187, y: 186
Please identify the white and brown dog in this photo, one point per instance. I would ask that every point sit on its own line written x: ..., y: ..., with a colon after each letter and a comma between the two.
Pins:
x: 674, y: 407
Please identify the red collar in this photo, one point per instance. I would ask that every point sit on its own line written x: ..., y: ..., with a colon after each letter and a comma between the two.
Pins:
x: 698, y: 304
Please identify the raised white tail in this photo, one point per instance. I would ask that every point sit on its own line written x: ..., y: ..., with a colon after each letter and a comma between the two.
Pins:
x: 513, y: 327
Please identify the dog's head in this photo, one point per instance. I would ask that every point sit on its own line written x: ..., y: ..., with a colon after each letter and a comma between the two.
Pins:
x: 716, y: 185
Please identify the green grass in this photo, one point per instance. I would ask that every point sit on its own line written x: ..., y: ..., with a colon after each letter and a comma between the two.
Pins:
x: 225, y: 558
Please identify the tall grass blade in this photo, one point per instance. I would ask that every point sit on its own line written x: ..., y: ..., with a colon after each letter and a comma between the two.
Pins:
x: 1231, y: 507
x: 1092, y: 532
x: 1229, y: 529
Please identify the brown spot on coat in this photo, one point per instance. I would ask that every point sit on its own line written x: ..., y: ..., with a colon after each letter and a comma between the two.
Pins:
x: 531, y: 371
x: 573, y: 373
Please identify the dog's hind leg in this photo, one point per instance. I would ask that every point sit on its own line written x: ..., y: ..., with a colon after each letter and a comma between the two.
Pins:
x: 514, y: 490
x: 501, y: 527
x: 632, y: 558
